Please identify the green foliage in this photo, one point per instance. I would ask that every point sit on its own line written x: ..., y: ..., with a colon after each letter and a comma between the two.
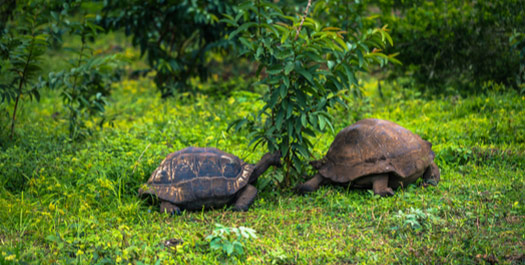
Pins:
x: 29, y: 31
x: 175, y: 35
x: 308, y: 69
x: 22, y: 45
x: 517, y: 43
x: 79, y: 205
x: 230, y: 240
x: 68, y: 202
x: 87, y: 83
x: 456, y: 43
x: 416, y: 220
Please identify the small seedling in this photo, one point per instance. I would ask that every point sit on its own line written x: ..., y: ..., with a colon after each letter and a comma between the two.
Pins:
x: 229, y: 241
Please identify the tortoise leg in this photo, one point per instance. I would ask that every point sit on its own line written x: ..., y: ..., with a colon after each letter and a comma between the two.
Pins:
x: 245, y: 199
x: 431, y: 175
x: 169, y: 208
x: 380, y: 185
x: 311, y: 185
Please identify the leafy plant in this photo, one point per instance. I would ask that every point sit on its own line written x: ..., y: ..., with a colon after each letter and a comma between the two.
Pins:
x: 230, y: 240
x: 416, y: 219
x: 87, y: 83
x: 176, y: 36
x: 453, y: 42
x: 22, y: 45
x: 306, y: 68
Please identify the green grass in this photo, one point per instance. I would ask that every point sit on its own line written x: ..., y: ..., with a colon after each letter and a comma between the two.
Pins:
x: 75, y: 202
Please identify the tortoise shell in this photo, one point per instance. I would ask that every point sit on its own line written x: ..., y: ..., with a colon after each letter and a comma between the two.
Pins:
x: 199, y: 176
x: 373, y: 146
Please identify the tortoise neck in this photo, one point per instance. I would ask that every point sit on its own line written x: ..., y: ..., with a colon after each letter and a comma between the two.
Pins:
x: 266, y: 161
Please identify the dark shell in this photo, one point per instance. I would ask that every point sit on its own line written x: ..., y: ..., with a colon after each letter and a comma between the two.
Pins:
x: 198, y: 175
x: 373, y: 146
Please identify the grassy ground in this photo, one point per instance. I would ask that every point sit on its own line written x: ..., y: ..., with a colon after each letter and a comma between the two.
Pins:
x: 63, y: 202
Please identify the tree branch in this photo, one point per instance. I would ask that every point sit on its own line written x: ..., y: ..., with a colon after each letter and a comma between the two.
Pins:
x: 302, y: 20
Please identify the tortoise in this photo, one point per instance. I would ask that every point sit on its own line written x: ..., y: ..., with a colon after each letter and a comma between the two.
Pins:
x: 377, y: 154
x: 195, y: 178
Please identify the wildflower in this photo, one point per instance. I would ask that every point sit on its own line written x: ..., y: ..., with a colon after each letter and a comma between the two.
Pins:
x: 10, y: 257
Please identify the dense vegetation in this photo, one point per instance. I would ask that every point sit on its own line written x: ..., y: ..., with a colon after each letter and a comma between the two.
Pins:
x: 110, y: 101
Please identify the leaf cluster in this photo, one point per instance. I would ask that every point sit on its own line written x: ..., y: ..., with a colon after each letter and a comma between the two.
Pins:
x: 175, y: 35
x: 307, y: 68
x: 87, y: 83
x: 452, y: 42
x: 230, y: 240
x: 33, y: 28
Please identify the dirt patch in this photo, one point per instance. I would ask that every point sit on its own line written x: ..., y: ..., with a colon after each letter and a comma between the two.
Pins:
x: 516, y: 259
x: 512, y: 219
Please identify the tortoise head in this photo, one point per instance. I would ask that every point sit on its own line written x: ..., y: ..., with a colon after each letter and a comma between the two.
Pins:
x: 269, y: 159
x: 274, y: 159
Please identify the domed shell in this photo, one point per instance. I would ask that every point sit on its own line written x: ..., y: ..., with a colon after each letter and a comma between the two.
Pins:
x: 373, y: 146
x: 198, y: 174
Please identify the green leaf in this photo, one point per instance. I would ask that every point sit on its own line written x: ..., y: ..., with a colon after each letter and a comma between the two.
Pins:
x: 285, y: 36
x: 283, y: 91
x: 350, y: 74
x: 271, y: 29
x: 279, y: 120
x: 288, y: 68
x: 303, y: 120
x: 289, y: 110
x: 322, y: 122
x: 242, y: 28
x: 286, y: 81
x: 307, y: 75
x: 360, y: 56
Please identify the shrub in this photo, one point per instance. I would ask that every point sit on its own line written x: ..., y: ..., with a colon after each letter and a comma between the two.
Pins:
x: 176, y: 36
x: 27, y: 32
x: 452, y: 42
x: 307, y: 69
x: 22, y: 44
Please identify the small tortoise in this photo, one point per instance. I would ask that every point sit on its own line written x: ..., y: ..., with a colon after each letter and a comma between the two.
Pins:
x: 196, y: 178
x: 375, y: 154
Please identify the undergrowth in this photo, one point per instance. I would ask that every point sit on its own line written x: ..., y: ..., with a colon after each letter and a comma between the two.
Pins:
x: 76, y: 202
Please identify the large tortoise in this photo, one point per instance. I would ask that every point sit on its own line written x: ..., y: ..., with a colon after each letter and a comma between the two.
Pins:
x: 195, y: 178
x: 375, y: 154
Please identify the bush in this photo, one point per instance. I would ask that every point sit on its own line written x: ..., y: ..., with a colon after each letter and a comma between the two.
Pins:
x: 27, y: 32
x: 307, y: 69
x: 176, y: 36
x: 452, y: 42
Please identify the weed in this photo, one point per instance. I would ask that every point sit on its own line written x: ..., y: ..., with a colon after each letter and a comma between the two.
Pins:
x: 229, y: 241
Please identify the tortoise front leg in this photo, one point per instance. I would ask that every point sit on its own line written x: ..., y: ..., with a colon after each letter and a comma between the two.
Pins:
x: 169, y: 208
x: 380, y: 185
x: 245, y: 199
x: 311, y: 185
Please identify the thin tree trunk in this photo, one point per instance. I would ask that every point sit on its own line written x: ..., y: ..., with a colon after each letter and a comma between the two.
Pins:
x: 20, y: 86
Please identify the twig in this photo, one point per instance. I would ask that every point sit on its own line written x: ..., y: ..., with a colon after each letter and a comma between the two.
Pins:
x: 138, y: 160
x: 302, y: 20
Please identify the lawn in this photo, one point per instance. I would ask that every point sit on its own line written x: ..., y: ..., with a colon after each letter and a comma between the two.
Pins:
x: 76, y: 202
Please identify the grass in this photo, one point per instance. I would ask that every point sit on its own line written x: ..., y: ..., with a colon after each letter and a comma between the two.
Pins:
x: 75, y: 202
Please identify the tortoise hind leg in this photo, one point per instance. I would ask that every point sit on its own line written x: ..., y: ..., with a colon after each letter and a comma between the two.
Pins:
x: 169, y: 208
x: 380, y: 185
x: 245, y: 199
x: 311, y: 185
